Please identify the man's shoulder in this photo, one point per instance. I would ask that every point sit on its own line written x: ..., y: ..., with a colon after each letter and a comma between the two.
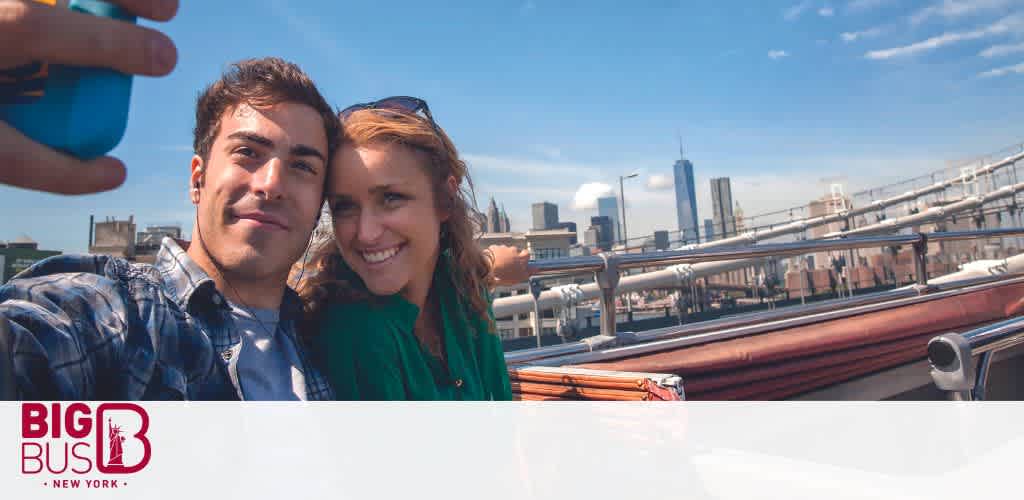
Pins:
x: 101, y: 273
x: 65, y: 264
x: 87, y: 286
x: 99, y: 265
x: 110, y: 315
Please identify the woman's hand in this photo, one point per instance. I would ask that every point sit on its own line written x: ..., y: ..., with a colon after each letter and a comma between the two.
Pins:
x: 510, y: 265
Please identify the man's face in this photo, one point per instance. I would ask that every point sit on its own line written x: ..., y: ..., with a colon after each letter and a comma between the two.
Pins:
x: 261, y: 188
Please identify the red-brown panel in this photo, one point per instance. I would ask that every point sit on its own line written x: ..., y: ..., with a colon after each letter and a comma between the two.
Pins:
x: 936, y: 316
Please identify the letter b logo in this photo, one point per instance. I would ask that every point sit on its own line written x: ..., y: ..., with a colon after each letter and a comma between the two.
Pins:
x: 121, y: 443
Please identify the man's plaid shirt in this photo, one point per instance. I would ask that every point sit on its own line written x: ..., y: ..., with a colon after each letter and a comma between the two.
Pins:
x: 102, y: 328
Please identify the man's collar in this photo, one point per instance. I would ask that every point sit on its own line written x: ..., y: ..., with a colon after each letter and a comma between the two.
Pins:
x: 183, y: 278
x: 187, y: 282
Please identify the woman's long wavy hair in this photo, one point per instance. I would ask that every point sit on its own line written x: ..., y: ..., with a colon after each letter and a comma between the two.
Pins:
x: 330, y: 280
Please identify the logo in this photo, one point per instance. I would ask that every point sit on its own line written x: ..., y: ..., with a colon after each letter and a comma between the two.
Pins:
x: 64, y: 443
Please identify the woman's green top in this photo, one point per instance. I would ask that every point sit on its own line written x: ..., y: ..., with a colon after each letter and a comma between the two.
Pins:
x: 372, y: 354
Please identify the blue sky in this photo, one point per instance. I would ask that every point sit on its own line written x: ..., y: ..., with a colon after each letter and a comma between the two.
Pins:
x: 542, y: 97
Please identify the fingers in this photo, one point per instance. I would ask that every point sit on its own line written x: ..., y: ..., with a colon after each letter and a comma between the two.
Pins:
x: 157, y: 10
x: 29, y: 165
x: 524, y: 259
x: 34, y: 32
x: 98, y: 41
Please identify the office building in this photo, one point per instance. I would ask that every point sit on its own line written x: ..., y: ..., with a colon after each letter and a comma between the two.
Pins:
x: 604, y: 236
x: 709, y: 230
x: 545, y: 215
x: 568, y: 226
x: 18, y: 255
x: 686, y: 201
x: 721, y: 205
x: 737, y: 215
x: 506, y: 225
x: 494, y: 221
x: 609, y: 207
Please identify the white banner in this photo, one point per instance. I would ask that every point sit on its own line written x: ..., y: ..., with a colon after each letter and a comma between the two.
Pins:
x: 927, y: 450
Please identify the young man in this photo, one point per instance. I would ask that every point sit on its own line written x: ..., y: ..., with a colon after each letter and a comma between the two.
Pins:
x: 213, y: 319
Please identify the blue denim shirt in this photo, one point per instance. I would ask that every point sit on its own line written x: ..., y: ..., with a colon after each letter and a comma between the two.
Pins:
x: 102, y: 328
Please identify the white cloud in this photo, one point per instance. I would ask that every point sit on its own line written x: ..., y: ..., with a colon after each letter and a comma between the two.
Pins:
x: 794, y: 12
x: 1002, y: 50
x: 952, y: 9
x: 777, y: 54
x: 826, y: 11
x: 587, y: 194
x: 660, y: 182
x: 853, y: 36
x: 1003, y: 26
x: 1005, y: 70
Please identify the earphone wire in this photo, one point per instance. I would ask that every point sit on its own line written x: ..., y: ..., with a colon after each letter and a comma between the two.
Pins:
x: 220, y: 271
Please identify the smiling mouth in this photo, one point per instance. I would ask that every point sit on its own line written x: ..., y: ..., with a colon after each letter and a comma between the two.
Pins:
x: 381, y: 256
x: 262, y: 220
x: 262, y: 223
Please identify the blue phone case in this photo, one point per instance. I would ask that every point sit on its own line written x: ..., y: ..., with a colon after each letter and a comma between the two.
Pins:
x: 82, y: 111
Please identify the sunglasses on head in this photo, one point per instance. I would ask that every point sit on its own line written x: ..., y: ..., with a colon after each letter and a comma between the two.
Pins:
x: 399, y: 104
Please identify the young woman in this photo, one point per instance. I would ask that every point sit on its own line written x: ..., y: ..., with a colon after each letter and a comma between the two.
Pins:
x: 401, y: 298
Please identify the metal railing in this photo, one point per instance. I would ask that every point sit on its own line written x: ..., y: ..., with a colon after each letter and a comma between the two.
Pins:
x: 952, y: 357
x: 607, y: 267
x: 629, y: 344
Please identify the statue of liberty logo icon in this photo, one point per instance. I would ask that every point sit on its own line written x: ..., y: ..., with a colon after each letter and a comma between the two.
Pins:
x: 114, y: 444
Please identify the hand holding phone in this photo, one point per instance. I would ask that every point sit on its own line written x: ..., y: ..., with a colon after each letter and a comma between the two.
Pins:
x: 33, y: 34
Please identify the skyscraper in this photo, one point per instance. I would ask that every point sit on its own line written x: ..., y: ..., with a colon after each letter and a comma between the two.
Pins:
x: 545, y: 215
x: 686, y: 200
x: 493, y: 218
x: 609, y: 207
x: 709, y: 230
x: 721, y: 204
x: 741, y: 225
x: 506, y: 225
x: 604, y: 226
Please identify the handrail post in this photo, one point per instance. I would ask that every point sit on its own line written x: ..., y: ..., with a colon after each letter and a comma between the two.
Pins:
x: 538, y: 322
x: 981, y: 379
x: 920, y: 259
x: 608, y: 280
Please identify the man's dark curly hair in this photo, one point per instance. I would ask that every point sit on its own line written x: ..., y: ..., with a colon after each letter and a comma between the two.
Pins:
x: 258, y: 83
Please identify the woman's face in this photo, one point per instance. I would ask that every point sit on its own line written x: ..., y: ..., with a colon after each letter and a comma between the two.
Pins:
x: 386, y: 221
